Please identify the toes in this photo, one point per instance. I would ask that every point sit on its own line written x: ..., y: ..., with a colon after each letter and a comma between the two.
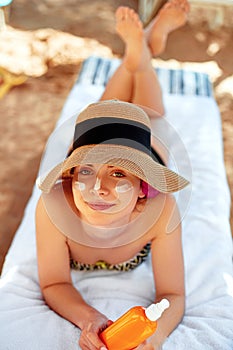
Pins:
x: 182, y: 5
x: 186, y: 6
x: 135, y: 18
x: 124, y: 13
x: 121, y: 13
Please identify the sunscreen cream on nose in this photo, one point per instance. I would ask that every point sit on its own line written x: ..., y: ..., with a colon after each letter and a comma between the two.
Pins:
x: 97, y: 184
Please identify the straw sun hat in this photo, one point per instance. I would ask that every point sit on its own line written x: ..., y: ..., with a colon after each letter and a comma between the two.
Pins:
x: 119, y: 134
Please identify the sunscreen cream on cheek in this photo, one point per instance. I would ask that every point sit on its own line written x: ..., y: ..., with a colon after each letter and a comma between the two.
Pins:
x: 134, y: 327
x: 80, y: 186
x: 123, y: 186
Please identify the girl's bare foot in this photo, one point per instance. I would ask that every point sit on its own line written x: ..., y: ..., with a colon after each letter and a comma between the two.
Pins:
x: 130, y: 29
x: 171, y: 16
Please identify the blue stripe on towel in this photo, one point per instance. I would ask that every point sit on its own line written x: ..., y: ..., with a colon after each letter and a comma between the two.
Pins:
x: 98, y: 70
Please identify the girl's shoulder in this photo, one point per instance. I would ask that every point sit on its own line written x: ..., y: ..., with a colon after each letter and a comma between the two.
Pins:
x: 56, y: 203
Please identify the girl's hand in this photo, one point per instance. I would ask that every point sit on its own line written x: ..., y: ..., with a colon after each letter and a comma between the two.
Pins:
x: 89, y: 338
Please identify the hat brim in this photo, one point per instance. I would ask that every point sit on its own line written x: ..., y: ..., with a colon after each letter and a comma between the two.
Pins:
x: 137, y: 163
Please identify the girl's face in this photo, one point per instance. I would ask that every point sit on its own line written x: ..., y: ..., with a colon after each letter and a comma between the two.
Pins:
x: 105, y: 195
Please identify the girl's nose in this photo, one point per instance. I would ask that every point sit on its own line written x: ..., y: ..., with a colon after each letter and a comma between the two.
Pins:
x: 99, y: 187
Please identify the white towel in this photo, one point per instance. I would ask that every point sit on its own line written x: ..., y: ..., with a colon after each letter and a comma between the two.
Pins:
x: 26, y: 322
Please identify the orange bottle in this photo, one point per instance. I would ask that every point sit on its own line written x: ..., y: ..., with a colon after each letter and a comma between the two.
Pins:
x: 135, y: 326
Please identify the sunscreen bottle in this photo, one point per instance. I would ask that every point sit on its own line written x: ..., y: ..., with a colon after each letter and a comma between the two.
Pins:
x: 134, y: 327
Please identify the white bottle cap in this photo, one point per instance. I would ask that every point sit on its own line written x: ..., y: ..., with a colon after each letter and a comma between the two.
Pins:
x: 154, y: 311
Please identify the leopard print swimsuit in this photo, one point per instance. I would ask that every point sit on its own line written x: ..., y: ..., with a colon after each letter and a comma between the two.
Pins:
x: 102, y: 265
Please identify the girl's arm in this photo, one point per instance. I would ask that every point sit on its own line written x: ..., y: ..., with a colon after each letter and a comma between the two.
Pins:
x: 168, y: 268
x: 56, y: 285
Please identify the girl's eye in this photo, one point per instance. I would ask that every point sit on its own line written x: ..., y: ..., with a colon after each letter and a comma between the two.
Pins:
x: 118, y: 173
x: 85, y: 171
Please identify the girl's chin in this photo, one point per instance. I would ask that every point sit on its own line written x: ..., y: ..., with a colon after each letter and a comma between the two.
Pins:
x: 100, y: 221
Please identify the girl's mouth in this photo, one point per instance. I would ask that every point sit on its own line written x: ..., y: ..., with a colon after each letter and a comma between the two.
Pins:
x: 100, y: 206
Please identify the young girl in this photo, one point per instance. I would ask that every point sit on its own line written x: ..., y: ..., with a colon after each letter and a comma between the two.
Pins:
x: 109, y: 204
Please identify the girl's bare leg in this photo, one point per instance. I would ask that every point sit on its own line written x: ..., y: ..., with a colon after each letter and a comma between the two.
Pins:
x: 135, y: 80
x: 171, y: 16
x: 120, y: 85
